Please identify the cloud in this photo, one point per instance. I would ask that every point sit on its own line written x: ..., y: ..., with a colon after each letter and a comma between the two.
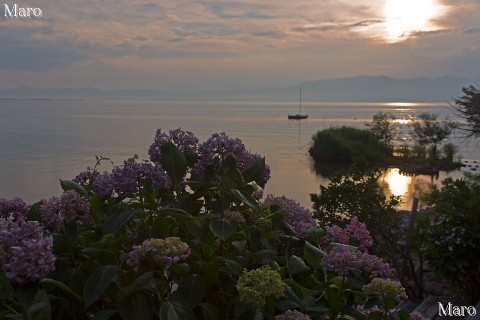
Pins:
x: 472, y: 30
x: 270, y: 34
x: 147, y: 39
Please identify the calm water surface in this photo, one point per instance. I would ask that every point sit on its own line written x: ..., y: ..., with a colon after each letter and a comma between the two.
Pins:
x: 43, y: 141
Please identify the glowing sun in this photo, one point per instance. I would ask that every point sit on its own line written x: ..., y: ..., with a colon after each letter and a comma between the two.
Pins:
x: 405, y: 17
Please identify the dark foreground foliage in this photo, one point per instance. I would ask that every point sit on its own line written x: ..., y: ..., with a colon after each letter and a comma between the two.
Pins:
x: 450, y: 235
x: 185, y: 236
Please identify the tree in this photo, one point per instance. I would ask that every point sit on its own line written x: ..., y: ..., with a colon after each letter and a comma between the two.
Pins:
x: 467, y: 106
x: 450, y: 235
x: 383, y: 127
x: 345, y: 144
x: 430, y: 131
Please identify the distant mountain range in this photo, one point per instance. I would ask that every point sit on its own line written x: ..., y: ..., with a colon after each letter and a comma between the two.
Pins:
x: 360, y: 88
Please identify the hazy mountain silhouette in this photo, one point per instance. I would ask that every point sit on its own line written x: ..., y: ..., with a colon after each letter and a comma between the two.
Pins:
x: 360, y: 88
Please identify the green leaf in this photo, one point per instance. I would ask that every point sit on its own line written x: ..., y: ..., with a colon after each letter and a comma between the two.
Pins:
x: 173, y: 162
x: 249, y: 201
x: 179, y: 268
x: 73, y: 278
x: 301, y: 290
x: 292, y: 296
x: 316, y: 308
x: 6, y: 288
x: 117, y: 221
x: 265, y: 256
x: 145, y: 281
x: 196, y: 228
x: 390, y: 302
x: 222, y: 229
x: 136, y: 306
x: 26, y: 294
x: 233, y: 267
x: 296, y: 265
x: 211, y: 272
x: 254, y: 170
x: 70, y: 185
x: 169, y: 311
x: 34, y: 211
x: 69, y: 228
x: 234, y: 176
x: 62, y: 286
x: 334, y: 301
x: 240, y: 245
x: 190, y: 291
x: 177, y: 213
x: 40, y: 308
x: 98, y: 282
x: 313, y: 255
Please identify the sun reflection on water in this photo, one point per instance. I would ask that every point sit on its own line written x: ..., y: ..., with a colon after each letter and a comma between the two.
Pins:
x: 397, y: 183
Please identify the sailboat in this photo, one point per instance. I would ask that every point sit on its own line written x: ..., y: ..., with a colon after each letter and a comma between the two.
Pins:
x: 299, y: 115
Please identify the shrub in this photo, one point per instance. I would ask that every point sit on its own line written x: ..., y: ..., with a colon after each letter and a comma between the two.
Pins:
x: 450, y: 235
x: 344, y: 144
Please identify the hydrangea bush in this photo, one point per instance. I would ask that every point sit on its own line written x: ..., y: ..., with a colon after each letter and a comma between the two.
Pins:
x: 183, y: 235
x: 449, y: 237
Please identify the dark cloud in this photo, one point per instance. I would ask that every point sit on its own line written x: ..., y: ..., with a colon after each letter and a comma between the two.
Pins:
x: 366, y: 23
x: 322, y: 27
x: 270, y: 34
x: 472, y: 30
x: 238, y: 10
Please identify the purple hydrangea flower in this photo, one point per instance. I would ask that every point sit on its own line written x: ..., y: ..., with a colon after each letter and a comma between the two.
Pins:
x: 358, y: 230
x: 184, y: 140
x: 70, y: 205
x: 348, y: 261
x: 26, y: 252
x: 337, y: 234
x: 131, y: 177
x: 15, y: 207
x: 299, y: 218
x: 85, y: 178
x: 219, y: 145
x: 163, y: 252
x: 74, y: 206
x: 354, y: 233
x: 50, y: 213
x: 103, y: 184
x: 367, y: 311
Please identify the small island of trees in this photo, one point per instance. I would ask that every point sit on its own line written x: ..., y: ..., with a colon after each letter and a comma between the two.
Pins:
x: 375, y: 144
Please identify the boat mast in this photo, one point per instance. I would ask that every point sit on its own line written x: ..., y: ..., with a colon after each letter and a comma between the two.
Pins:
x: 300, y: 101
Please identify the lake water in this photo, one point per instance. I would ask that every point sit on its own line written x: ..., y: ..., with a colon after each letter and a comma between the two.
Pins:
x: 43, y: 141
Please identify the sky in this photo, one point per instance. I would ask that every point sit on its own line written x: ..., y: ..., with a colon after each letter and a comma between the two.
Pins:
x: 182, y: 45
